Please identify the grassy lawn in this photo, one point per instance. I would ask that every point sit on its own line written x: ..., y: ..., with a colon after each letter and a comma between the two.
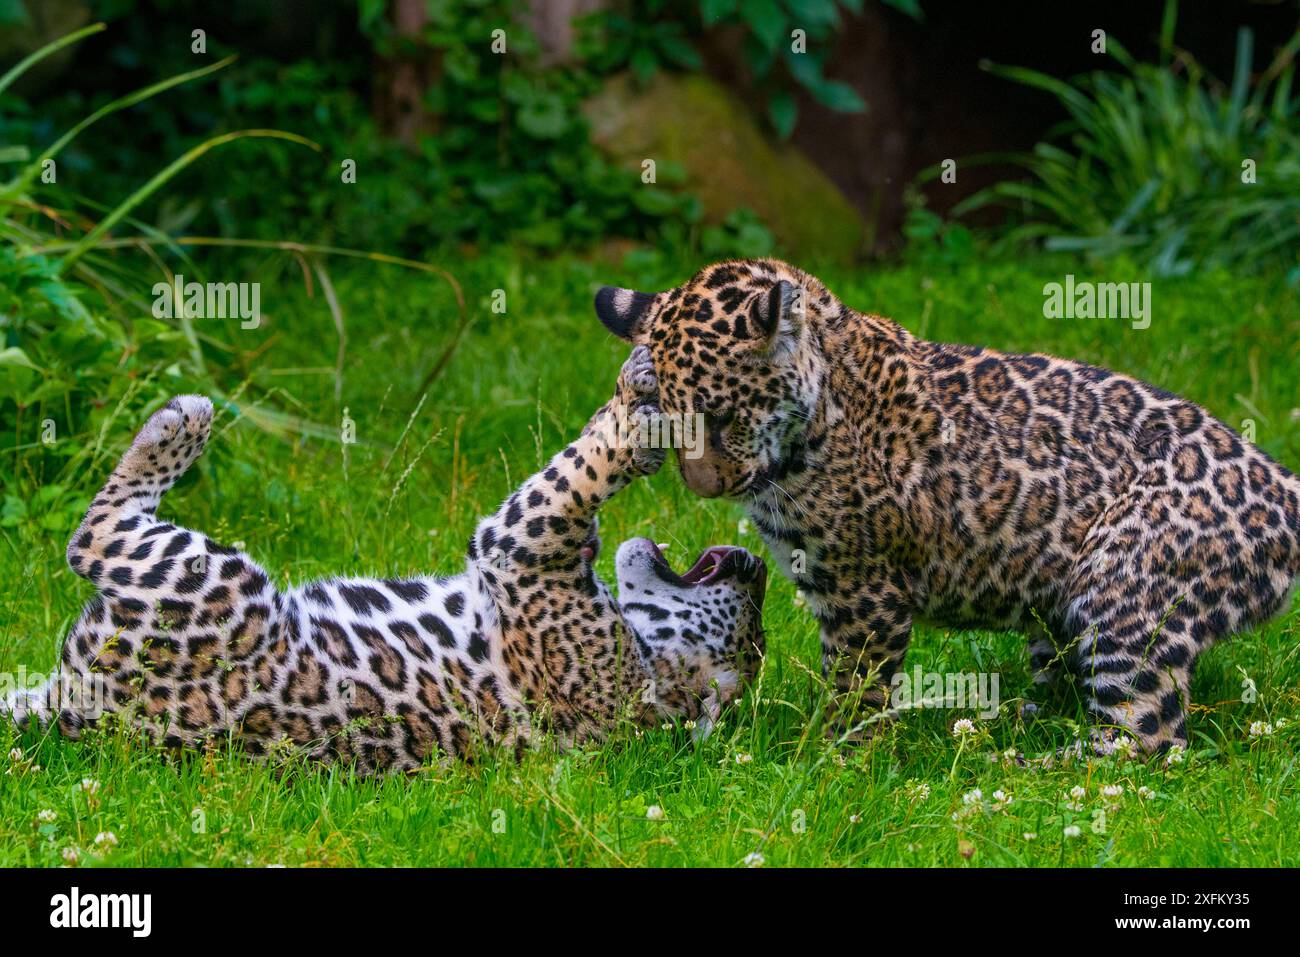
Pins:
x: 521, y: 384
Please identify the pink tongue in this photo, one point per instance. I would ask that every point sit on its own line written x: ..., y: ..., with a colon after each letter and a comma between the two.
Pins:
x: 705, y: 565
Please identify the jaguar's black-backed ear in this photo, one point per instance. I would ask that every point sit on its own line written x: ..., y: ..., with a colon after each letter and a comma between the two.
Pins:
x: 778, y: 311
x: 622, y: 309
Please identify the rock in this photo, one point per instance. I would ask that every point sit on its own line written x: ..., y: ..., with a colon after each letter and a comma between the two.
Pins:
x: 730, y: 161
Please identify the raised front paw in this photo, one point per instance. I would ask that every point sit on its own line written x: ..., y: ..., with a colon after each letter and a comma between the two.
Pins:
x: 633, y: 434
x: 636, y: 380
x: 648, y: 438
x: 644, y: 432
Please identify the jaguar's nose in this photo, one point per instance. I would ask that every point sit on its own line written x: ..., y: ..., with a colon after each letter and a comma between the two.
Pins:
x: 700, y: 475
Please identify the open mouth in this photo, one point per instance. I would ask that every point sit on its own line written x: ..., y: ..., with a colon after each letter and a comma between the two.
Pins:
x: 714, y: 563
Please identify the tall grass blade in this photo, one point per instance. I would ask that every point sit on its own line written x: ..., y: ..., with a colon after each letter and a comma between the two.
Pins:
x: 24, y: 178
x: 54, y: 46
x: 88, y: 241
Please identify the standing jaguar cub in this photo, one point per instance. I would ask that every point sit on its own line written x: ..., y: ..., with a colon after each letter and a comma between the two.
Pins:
x: 1122, y: 527
x: 191, y: 640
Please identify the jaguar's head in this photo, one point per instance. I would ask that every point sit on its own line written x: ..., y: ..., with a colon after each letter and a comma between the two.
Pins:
x: 738, y: 377
x: 700, y: 632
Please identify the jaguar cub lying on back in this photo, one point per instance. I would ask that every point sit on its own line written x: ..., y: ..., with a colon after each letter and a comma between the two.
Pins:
x: 1124, y: 528
x: 191, y: 640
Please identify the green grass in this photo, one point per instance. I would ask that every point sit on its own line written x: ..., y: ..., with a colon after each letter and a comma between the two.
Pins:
x: 519, y: 387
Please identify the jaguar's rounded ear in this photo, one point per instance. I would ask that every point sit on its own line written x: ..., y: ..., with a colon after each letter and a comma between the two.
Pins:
x: 777, y: 304
x: 779, y: 315
x: 621, y: 310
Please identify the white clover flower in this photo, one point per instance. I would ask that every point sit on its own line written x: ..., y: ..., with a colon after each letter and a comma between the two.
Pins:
x: 1010, y: 754
x: 743, y: 758
x: 1145, y: 793
x: 855, y: 818
x: 1072, y: 830
x: 963, y: 726
x: 754, y: 859
x: 106, y: 838
x: 1258, y: 729
x: 971, y: 801
x: 1112, y: 791
x: 1001, y: 799
x: 1124, y: 747
x: 90, y: 785
x: 654, y: 813
x: 667, y: 726
x: 1280, y: 723
x: 918, y: 791
x: 16, y: 755
x: 1176, y: 755
x: 800, y: 599
x: 688, y: 724
x: 743, y: 527
x: 70, y: 855
x: 1029, y: 836
x: 47, y: 816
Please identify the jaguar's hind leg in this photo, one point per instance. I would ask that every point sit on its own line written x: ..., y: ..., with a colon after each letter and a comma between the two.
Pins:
x: 111, y: 548
x: 1137, y: 671
x: 180, y: 622
x: 136, y: 562
x: 1157, y: 584
x: 167, y: 445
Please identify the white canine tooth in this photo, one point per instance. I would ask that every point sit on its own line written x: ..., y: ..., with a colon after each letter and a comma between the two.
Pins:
x: 662, y: 546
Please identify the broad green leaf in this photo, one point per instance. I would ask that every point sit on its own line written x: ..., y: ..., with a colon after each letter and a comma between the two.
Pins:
x: 714, y: 11
x: 783, y: 113
x: 838, y: 96
x: 765, y: 19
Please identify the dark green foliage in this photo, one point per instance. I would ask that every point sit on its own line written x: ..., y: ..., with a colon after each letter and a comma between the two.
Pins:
x: 769, y: 27
x: 1166, y: 165
x: 509, y: 157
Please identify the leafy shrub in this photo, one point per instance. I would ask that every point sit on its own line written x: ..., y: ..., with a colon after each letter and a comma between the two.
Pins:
x: 1157, y: 164
x: 930, y: 238
x: 82, y: 356
x: 768, y: 26
x: 510, y: 158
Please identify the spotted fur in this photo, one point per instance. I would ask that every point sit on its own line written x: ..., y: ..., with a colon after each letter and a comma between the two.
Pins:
x: 1122, y: 528
x: 192, y: 640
